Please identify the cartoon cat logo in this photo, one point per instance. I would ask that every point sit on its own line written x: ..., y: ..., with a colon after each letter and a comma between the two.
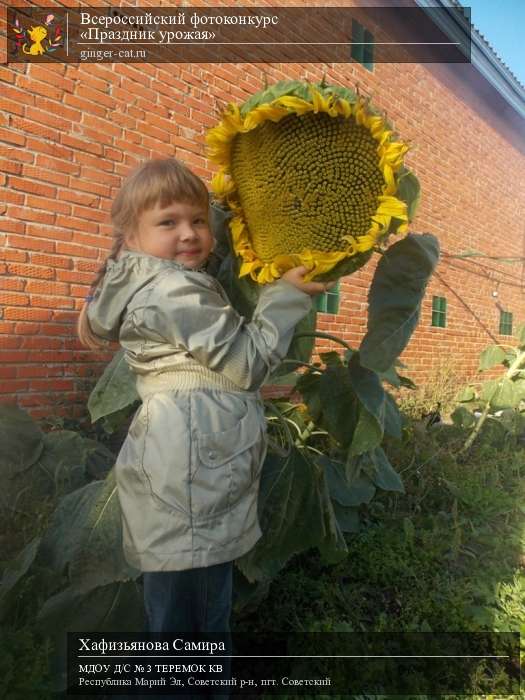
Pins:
x: 37, y: 41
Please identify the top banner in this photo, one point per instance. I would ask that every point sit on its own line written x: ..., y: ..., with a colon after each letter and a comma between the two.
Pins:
x: 239, y: 35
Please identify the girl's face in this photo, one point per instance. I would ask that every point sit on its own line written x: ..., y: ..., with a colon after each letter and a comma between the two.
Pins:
x: 178, y: 232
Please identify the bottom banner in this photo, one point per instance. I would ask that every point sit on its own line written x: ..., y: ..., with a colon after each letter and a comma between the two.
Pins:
x: 173, y: 665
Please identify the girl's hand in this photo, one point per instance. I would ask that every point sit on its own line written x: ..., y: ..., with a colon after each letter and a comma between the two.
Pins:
x: 295, y: 277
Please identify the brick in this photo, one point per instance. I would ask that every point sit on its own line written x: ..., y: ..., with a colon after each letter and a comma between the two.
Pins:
x: 46, y: 176
x: 82, y: 198
x: 11, y: 106
x: 94, y: 162
x: 8, y: 373
x: 51, y: 232
x: 12, y: 284
x: 51, y: 74
x: 81, y: 144
x: 48, y: 302
x: 26, y: 328
x: 35, y: 128
x: 101, y: 125
x: 13, y: 299
x: 7, y: 196
x: 53, y: 261
x: 18, y: 154
x: 38, y: 371
x: 31, y: 243
x: 90, y: 214
x: 15, y: 255
x: 27, y: 214
x: 96, y: 97
x: 37, y: 188
x: 14, y: 386
x: 49, y: 204
x: 86, y: 107
x: 6, y: 327
x: 38, y: 287
x: 59, y: 329
x: 12, y: 137
x: 93, y: 187
x: 100, y: 177
x: 76, y: 250
x: 8, y: 343
x: 41, y: 343
x: 56, y: 164
x: 76, y: 224
x: 12, y: 92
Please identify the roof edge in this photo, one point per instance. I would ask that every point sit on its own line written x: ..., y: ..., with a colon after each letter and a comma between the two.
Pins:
x: 483, y: 57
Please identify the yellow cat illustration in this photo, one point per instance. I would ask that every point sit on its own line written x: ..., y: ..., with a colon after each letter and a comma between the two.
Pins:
x: 37, y: 36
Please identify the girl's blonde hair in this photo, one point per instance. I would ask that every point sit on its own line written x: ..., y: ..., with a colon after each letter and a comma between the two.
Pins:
x: 160, y: 180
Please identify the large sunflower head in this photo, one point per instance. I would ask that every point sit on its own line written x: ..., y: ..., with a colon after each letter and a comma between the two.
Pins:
x: 314, y: 176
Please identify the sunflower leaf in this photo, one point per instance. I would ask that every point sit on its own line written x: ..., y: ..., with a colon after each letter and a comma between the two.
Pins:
x: 409, y: 190
x: 296, y: 513
x: 395, y: 298
x: 114, y: 390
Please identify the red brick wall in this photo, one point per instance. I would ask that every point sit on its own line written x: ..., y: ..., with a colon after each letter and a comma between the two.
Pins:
x: 70, y: 133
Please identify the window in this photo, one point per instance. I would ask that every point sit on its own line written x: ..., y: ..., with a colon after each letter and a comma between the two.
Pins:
x: 362, y: 49
x: 505, y: 322
x: 328, y: 302
x: 439, y: 312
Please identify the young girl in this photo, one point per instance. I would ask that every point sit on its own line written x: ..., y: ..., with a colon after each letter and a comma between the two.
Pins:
x: 188, y: 472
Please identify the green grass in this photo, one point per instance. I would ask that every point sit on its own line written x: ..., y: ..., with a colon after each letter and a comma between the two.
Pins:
x: 447, y: 556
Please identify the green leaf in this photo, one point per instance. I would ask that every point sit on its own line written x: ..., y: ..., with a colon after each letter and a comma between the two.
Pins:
x: 99, y: 459
x: 409, y: 191
x: 391, y: 376
x: 504, y: 395
x: 309, y: 386
x: 488, y: 389
x: 288, y: 379
x: 63, y: 462
x: 118, y: 607
x: 513, y: 421
x: 109, y: 608
x: 296, y: 514
x: 247, y: 597
x: 21, y: 439
x: 301, y: 348
x: 85, y: 533
x: 367, y: 435
x: 519, y: 390
x: 361, y: 491
x: 385, y: 476
x: 339, y: 404
x: 491, y: 356
x: 114, y: 390
x: 395, y: 297
x: 347, y: 518
x: 405, y: 381
x: 466, y: 394
x: 341, y: 491
x: 13, y: 573
x: 370, y: 392
x: 331, y: 358
x: 393, y: 419
x: 463, y: 418
x: 243, y: 292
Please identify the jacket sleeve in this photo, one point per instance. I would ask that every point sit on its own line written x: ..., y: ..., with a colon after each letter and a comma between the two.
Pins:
x: 188, y: 310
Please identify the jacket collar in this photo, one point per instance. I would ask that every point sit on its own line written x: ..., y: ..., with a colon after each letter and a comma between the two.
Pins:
x: 163, y: 262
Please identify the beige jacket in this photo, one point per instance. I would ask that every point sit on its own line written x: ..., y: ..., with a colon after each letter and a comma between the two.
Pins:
x: 189, y: 469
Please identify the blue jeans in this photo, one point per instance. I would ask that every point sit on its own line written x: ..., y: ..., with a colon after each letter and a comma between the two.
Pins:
x: 193, y: 601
